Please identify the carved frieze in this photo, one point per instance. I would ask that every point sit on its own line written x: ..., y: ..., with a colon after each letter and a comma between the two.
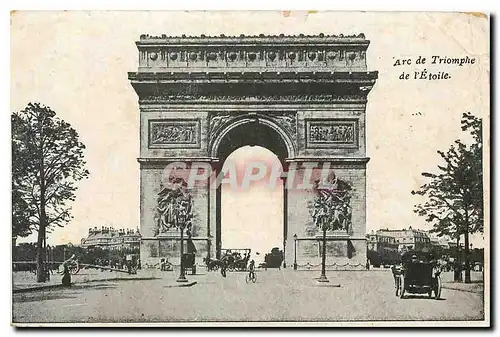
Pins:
x: 332, y: 133
x: 174, y: 133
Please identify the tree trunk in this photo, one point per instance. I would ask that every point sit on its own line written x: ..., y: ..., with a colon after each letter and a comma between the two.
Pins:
x: 457, y: 270
x: 466, y: 257
x: 40, y: 255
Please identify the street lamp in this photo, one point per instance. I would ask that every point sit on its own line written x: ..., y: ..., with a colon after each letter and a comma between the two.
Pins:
x: 323, y: 278
x: 295, y: 252
x: 181, y: 224
x: 284, y: 253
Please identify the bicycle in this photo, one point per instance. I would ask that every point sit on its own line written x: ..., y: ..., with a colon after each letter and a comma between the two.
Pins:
x: 251, y: 277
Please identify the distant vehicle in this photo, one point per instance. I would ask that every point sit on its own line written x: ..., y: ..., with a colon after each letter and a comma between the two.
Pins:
x: 236, y: 259
x: 274, y: 258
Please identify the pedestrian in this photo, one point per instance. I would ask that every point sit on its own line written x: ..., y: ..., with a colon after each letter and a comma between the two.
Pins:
x: 367, y: 264
x: 66, y: 278
x: 395, y: 275
x: 223, y: 267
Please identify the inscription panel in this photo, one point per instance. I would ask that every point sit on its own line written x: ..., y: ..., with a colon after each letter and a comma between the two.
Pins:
x: 328, y: 133
x: 179, y: 133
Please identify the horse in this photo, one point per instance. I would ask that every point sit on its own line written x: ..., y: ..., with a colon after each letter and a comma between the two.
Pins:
x: 212, y: 265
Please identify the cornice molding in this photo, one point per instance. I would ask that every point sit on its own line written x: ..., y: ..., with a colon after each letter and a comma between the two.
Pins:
x: 242, y: 38
x: 286, y: 99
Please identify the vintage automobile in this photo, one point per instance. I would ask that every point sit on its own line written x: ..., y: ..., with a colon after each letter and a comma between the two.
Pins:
x: 274, y: 259
x: 419, y: 274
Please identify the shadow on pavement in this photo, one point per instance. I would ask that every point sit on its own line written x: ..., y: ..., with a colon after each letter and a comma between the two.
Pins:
x: 42, y: 296
x: 92, y: 286
x: 423, y: 297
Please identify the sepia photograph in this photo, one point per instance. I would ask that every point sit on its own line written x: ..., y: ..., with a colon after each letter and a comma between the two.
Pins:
x: 250, y: 168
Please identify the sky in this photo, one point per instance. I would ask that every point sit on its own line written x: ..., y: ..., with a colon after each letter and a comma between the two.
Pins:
x: 77, y: 63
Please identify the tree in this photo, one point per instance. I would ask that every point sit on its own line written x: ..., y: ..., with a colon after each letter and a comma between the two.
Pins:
x: 454, y: 195
x: 47, y: 162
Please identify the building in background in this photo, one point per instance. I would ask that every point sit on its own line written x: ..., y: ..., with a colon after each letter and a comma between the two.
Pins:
x: 111, y: 238
x: 408, y: 239
x: 381, y: 249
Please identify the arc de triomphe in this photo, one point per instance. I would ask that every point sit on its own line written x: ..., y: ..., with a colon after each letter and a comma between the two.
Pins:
x: 302, y: 97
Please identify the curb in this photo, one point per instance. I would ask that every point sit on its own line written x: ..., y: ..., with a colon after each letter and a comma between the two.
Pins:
x: 56, y: 286
x: 465, y: 290
x: 474, y: 291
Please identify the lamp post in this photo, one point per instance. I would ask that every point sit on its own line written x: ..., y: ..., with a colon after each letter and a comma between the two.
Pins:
x: 284, y: 253
x: 295, y: 252
x: 323, y: 278
x: 181, y: 225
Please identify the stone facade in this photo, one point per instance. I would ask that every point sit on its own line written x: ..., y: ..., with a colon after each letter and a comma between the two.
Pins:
x: 302, y: 97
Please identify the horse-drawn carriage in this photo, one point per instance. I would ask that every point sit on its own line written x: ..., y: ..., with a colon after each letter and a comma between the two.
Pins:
x: 236, y: 259
x: 232, y: 259
x: 419, y: 274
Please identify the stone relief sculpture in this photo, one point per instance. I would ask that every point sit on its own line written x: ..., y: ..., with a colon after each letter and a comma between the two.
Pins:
x: 174, y: 206
x: 337, y: 133
x: 332, y: 205
x: 217, y: 121
x: 287, y: 121
x: 165, y: 133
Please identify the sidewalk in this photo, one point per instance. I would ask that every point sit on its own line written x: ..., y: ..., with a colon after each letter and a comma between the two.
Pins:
x: 477, y: 287
x: 25, y: 281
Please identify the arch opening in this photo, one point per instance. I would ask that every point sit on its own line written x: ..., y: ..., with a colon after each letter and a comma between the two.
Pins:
x: 252, y: 217
x: 253, y: 131
x: 245, y: 213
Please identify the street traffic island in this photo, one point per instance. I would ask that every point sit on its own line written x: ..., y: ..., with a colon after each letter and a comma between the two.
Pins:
x: 181, y: 284
x: 326, y: 284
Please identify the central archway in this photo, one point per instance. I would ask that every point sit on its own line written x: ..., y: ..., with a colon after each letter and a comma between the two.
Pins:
x: 252, y: 131
x: 252, y: 216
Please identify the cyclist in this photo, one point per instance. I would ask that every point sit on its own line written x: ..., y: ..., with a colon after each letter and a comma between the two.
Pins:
x: 251, y: 269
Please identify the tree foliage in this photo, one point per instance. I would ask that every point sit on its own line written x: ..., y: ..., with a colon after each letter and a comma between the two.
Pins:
x: 454, y: 204
x: 47, y: 162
